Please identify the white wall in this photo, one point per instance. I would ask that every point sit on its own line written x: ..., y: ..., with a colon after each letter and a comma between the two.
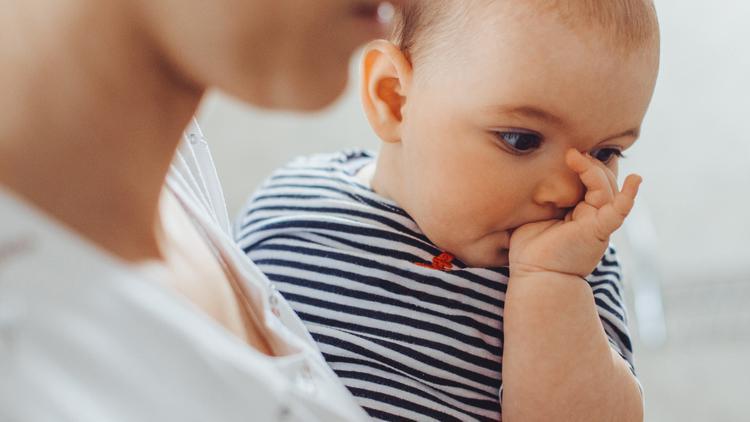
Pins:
x: 694, y: 153
x: 695, y: 150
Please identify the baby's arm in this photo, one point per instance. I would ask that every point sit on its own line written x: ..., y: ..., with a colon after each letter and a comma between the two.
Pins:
x: 557, y: 362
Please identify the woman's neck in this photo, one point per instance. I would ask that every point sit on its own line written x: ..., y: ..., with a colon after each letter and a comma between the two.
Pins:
x: 92, y: 117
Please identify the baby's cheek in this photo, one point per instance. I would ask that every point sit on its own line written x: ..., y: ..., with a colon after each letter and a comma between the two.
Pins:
x: 442, y: 224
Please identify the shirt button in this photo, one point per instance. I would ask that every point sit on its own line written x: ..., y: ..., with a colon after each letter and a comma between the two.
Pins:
x: 14, y: 248
x: 305, y: 381
x: 273, y: 299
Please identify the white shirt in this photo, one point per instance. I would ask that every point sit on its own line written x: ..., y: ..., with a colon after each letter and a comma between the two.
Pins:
x: 86, y: 337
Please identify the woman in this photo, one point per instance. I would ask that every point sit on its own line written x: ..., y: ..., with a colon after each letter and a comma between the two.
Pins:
x: 122, y: 297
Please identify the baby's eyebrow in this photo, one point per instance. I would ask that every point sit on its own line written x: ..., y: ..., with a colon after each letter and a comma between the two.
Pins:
x: 634, y: 133
x: 533, y: 113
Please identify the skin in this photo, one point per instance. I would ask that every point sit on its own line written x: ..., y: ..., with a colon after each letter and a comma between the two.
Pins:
x: 548, y: 213
x: 96, y: 95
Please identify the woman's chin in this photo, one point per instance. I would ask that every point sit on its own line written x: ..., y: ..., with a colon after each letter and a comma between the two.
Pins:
x: 315, y: 96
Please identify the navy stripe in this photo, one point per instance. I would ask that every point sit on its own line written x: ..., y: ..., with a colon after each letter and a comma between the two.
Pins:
x: 381, y: 283
x: 417, y: 374
x: 604, y: 305
x: 332, y: 359
x: 347, y: 212
x: 379, y: 414
x: 599, y: 273
x: 311, y: 225
x: 399, y: 402
x: 607, y: 293
x: 435, y: 363
x: 362, y: 295
x: 498, y: 284
x: 362, y: 195
x: 358, y: 198
x: 269, y: 197
x: 610, y: 283
x: 432, y: 281
x: 394, y: 319
x: 623, y: 338
x: 374, y: 379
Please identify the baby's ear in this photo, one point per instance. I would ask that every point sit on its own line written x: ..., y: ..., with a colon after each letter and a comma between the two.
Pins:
x: 386, y: 76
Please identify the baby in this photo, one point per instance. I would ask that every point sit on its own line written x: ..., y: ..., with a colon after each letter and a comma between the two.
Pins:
x: 468, y: 264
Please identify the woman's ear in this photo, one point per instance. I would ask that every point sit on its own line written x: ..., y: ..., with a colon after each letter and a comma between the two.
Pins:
x: 386, y: 77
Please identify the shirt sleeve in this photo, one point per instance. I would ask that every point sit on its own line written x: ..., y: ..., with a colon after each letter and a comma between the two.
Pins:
x: 606, y: 283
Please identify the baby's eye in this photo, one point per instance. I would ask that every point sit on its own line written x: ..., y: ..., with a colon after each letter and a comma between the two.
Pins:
x: 520, y: 142
x: 605, y: 155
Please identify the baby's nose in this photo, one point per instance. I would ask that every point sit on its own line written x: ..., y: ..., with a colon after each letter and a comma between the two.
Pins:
x: 561, y: 189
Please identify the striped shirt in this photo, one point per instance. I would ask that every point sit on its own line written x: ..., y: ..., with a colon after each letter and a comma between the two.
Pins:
x: 409, y: 341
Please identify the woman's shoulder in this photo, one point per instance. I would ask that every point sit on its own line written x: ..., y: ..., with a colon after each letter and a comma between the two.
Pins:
x: 82, y: 333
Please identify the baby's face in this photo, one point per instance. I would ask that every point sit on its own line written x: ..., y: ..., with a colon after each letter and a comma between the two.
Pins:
x: 487, y: 123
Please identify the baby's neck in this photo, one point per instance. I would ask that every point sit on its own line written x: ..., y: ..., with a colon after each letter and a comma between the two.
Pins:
x: 365, y: 175
x: 382, y: 177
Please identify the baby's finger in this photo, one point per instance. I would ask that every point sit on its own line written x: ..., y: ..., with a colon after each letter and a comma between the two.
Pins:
x: 576, y: 161
x: 610, y: 175
x: 598, y: 198
x: 598, y: 189
x: 611, y: 216
x: 625, y: 199
x: 612, y: 178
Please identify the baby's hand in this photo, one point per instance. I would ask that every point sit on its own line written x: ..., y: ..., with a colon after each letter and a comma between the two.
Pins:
x: 576, y: 244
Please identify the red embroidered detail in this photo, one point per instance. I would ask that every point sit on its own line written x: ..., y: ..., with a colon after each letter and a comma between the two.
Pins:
x: 442, y: 262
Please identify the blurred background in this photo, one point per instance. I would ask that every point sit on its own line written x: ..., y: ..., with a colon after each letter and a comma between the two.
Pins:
x: 685, y: 250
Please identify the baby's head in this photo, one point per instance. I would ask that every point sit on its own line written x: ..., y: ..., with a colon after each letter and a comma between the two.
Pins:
x: 477, y: 102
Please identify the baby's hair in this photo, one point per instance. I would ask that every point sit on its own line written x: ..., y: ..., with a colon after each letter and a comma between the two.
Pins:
x: 630, y: 24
